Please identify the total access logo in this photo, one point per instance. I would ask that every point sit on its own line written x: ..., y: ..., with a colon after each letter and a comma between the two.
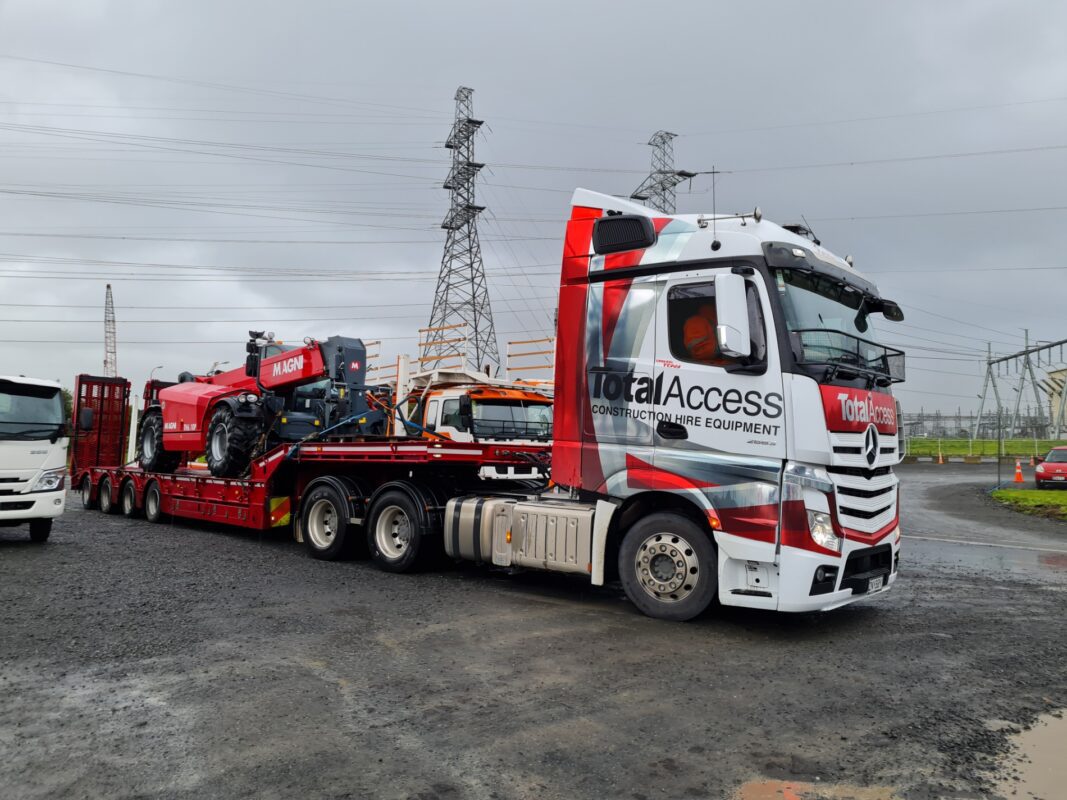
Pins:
x: 641, y: 397
x: 853, y: 410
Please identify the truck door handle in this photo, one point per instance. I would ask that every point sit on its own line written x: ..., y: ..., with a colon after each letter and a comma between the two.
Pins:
x: 671, y: 430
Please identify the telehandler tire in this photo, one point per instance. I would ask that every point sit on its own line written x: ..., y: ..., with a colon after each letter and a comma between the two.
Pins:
x: 150, y: 453
x: 230, y: 442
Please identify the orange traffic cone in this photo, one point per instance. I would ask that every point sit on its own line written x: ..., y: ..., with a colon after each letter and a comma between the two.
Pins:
x: 1018, y: 471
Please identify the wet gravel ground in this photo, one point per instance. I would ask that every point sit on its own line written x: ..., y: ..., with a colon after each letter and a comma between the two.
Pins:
x: 172, y: 661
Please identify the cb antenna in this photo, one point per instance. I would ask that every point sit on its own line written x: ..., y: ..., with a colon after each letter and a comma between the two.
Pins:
x: 715, y: 243
x: 807, y: 224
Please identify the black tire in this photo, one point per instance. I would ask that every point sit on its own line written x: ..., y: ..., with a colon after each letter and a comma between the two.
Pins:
x: 153, y: 503
x: 87, y: 493
x: 128, y: 500
x: 103, y: 496
x: 324, y: 516
x: 150, y: 453
x: 230, y: 441
x: 668, y: 567
x: 394, y: 533
x: 40, y: 529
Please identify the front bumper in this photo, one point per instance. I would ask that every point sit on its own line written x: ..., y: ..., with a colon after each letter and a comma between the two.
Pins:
x: 858, y: 570
x: 33, y: 505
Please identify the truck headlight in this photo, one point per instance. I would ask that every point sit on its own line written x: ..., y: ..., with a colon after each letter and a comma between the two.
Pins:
x: 50, y: 480
x: 822, y: 531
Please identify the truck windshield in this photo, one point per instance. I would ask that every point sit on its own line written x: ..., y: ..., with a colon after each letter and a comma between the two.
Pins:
x: 829, y: 325
x: 29, y: 412
x: 512, y: 420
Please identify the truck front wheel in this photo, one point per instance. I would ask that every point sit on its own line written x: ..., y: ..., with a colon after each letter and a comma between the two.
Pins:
x: 393, y: 534
x: 668, y: 567
x: 150, y: 453
x: 40, y: 529
x: 230, y: 442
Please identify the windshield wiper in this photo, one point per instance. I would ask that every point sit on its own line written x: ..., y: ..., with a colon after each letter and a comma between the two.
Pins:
x: 56, y: 431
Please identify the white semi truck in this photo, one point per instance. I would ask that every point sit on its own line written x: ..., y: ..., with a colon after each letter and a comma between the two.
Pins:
x: 33, y: 454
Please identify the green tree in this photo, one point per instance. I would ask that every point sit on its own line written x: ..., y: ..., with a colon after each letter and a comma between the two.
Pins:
x: 68, y: 403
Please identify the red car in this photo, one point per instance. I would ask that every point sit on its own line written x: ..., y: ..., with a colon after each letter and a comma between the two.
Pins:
x: 1053, y: 470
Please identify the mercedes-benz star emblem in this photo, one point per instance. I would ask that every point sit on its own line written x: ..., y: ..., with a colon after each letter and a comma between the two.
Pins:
x: 870, y: 445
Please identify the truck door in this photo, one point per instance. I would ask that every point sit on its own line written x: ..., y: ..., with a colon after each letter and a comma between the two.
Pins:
x: 720, y: 422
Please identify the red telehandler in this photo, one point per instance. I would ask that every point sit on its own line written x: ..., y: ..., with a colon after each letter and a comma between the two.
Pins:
x: 284, y: 393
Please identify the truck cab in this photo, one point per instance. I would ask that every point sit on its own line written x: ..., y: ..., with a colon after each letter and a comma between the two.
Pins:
x: 33, y: 454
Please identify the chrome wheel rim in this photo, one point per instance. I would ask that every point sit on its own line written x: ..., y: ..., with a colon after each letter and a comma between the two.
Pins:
x: 151, y: 504
x: 87, y: 491
x: 667, y: 568
x: 128, y: 500
x: 105, y: 495
x: 322, y: 524
x: 392, y: 532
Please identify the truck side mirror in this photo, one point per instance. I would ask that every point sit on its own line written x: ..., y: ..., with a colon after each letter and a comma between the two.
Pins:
x: 466, y: 413
x: 85, y: 419
x: 731, y: 313
x: 252, y: 365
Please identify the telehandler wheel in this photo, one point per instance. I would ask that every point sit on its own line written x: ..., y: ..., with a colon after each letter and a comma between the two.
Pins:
x: 87, y: 493
x: 128, y: 499
x: 393, y: 534
x: 150, y: 453
x: 103, y: 496
x: 230, y: 441
x: 40, y: 529
x: 153, y: 503
x: 324, y: 522
x: 668, y: 567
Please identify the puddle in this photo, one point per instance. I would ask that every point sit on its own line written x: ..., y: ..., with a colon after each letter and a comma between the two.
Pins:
x: 1039, y: 770
x: 801, y: 790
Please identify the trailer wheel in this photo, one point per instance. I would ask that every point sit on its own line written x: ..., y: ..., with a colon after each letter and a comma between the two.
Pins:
x: 324, y: 522
x: 103, y: 495
x: 668, y: 567
x: 230, y: 441
x: 150, y: 453
x: 393, y: 535
x: 153, y: 503
x: 87, y: 493
x: 40, y: 529
x: 128, y: 499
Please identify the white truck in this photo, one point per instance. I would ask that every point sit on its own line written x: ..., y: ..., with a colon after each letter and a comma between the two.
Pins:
x: 33, y: 454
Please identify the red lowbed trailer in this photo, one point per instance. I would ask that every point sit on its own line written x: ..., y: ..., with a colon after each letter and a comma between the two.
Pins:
x: 320, y: 487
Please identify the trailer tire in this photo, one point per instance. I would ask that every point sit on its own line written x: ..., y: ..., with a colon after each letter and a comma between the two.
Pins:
x: 150, y: 453
x: 324, y: 523
x: 87, y: 493
x: 668, y: 567
x: 40, y: 530
x: 153, y: 503
x: 128, y: 499
x: 230, y: 441
x: 394, y: 532
x: 103, y: 495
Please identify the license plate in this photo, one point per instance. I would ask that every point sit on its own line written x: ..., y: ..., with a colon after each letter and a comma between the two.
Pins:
x: 1059, y: 477
x: 874, y: 584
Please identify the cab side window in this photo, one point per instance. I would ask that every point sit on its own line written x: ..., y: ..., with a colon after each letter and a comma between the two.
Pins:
x: 691, y: 322
x: 450, y: 414
x: 431, y: 414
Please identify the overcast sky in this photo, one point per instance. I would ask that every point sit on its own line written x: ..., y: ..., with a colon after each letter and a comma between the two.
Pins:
x: 240, y: 165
